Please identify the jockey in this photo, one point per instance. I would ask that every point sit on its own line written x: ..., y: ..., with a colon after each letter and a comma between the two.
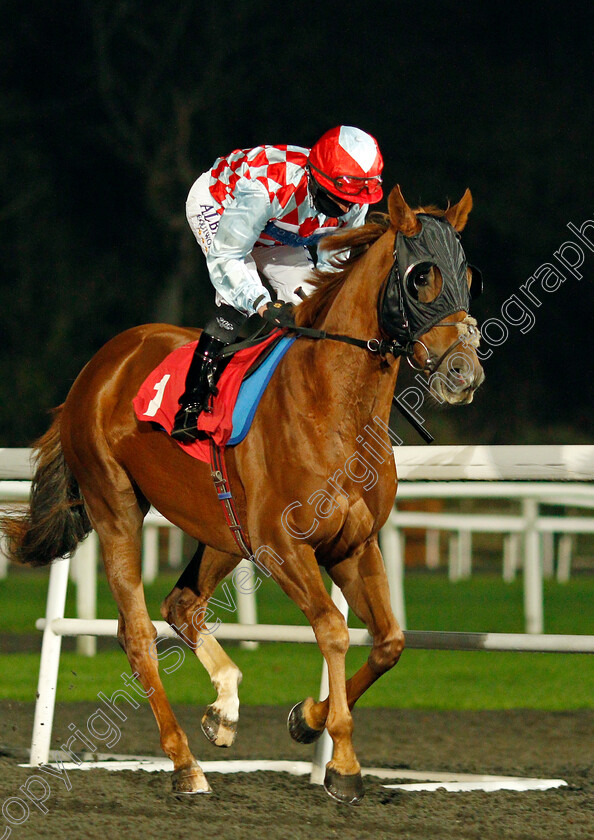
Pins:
x: 258, y: 212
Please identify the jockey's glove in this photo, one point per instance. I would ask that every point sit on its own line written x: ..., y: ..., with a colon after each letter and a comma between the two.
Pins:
x: 279, y: 313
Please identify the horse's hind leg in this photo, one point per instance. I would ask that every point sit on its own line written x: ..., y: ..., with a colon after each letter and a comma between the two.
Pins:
x: 117, y: 518
x: 185, y: 610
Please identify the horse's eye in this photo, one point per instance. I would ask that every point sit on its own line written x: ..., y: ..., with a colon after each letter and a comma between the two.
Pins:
x: 420, y: 280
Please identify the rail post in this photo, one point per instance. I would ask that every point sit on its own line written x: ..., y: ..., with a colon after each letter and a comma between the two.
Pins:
x: 51, y: 646
x: 86, y: 590
x: 533, y: 587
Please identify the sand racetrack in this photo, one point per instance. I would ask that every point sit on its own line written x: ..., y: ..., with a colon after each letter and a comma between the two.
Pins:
x: 102, y: 804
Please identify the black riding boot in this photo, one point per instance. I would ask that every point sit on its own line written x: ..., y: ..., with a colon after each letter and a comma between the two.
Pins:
x: 205, y: 368
x: 200, y: 384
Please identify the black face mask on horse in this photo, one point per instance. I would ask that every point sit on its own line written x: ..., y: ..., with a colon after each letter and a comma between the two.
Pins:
x: 402, y: 315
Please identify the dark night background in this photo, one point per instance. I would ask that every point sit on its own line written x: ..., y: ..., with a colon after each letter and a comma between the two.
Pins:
x: 111, y: 109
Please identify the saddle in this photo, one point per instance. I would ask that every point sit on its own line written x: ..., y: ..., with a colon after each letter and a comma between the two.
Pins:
x: 240, y: 389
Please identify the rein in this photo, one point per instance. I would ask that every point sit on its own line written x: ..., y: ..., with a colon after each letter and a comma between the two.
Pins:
x: 382, y: 347
x: 376, y: 346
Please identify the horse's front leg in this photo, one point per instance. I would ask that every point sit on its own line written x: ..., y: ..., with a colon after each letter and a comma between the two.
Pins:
x: 184, y: 609
x: 363, y: 581
x: 299, y: 576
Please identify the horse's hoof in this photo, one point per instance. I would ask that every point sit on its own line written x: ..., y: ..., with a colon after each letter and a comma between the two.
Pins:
x: 346, y: 789
x: 189, y: 780
x: 219, y: 730
x: 299, y: 729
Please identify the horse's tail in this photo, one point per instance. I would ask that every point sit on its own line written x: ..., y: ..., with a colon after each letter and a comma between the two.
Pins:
x: 56, y: 519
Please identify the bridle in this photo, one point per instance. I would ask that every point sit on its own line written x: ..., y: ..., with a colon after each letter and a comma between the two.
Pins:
x: 403, y: 346
x: 403, y: 315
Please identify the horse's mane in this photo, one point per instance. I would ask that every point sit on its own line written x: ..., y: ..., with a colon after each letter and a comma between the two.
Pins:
x: 348, y: 248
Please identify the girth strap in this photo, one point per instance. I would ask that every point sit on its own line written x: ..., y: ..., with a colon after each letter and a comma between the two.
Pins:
x: 220, y: 479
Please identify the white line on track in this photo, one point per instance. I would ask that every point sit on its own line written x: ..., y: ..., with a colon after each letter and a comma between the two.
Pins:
x: 420, y: 780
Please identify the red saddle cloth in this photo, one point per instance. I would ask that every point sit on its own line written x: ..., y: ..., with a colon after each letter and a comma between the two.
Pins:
x: 157, y: 398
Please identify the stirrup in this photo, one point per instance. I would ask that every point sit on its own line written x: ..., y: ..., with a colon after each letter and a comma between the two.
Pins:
x: 185, y: 428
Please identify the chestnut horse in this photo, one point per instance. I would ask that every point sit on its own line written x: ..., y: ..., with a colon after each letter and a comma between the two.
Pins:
x: 99, y: 467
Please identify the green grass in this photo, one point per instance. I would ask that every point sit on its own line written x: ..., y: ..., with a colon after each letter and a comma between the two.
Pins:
x: 282, y: 673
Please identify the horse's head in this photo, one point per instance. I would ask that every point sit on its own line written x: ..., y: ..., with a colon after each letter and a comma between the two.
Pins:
x: 426, y: 298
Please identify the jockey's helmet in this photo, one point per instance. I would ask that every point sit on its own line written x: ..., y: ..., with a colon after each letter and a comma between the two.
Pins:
x: 347, y: 163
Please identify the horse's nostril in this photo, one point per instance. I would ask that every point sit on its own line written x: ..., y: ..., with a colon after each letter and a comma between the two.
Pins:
x: 460, y: 378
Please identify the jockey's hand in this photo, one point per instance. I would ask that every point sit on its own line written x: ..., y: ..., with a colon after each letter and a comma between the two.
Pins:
x: 278, y: 313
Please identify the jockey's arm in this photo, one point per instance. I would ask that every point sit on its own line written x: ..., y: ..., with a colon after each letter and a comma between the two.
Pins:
x: 359, y: 212
x: 241, y: 224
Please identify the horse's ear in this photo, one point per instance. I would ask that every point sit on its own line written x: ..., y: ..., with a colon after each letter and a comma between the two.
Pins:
x: 401, y: 216
x: 457, y: 215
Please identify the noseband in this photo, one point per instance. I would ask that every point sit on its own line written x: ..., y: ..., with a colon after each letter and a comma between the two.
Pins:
x: 468, y: 335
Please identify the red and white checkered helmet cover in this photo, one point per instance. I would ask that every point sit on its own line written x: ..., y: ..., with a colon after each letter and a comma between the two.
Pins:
x: 348, y: 151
